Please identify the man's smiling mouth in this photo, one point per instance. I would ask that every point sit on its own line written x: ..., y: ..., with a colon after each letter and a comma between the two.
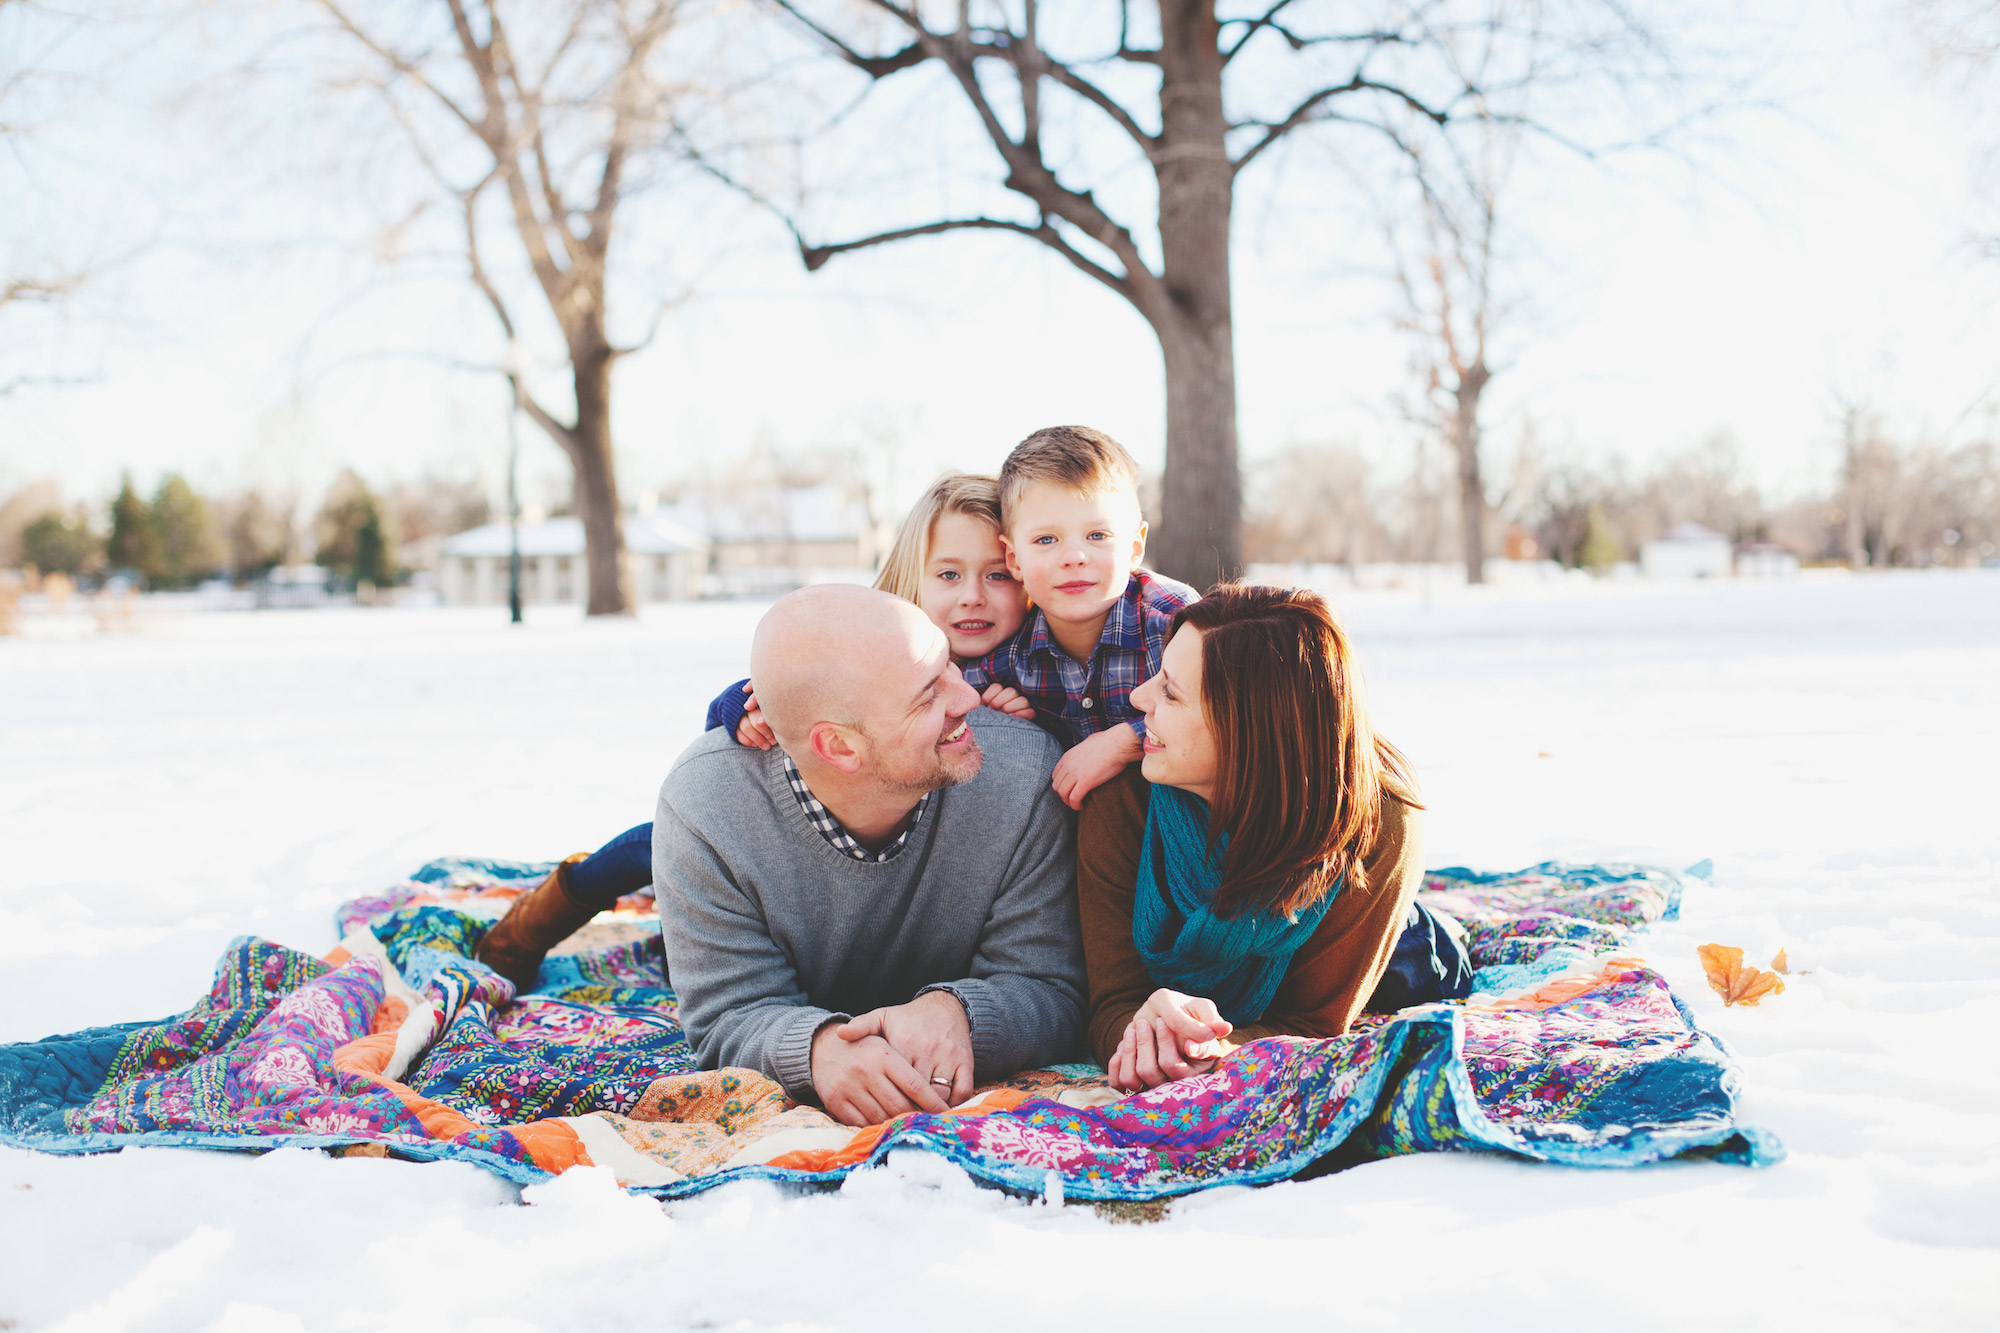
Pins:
x: 956, y: 734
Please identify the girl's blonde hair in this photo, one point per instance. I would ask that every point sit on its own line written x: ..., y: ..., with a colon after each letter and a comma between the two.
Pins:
x: 966, y: 493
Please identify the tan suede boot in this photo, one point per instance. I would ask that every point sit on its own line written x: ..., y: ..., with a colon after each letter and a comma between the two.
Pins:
x: 539, y: 920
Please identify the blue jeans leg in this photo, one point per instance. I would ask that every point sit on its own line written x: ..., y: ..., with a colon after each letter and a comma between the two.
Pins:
x: 623, y: 865
x: 1429, y: 964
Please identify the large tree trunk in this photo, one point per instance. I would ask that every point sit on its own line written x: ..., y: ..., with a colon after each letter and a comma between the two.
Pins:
x: 597, y: 486
x: 1201, y: 496
x: 1201, y: 519
x: 1471, y: 489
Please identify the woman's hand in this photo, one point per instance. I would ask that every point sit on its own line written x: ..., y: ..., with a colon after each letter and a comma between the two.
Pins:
x: 753, y: 730
x: 1173, y: 1036
x: 1006, y: 699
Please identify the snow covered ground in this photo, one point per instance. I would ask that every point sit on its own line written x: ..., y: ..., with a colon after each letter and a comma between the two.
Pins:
x: 1831, y: 743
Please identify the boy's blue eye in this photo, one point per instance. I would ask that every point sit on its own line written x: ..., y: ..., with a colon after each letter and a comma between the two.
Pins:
x: 1000, y: 576
x: 1044, y: 540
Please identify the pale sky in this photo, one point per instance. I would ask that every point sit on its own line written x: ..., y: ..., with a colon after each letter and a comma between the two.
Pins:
x: 1820, y: 251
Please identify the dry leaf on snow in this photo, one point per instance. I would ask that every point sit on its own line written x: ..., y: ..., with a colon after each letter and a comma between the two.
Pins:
x: 1778, y: 963
x: 1734, y: 982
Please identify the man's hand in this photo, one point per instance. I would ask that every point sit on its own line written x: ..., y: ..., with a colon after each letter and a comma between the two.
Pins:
x: 753, y: 730
x: 1006, y: 699
x: 864, y: 1082
x: 930, y: 1033
x: 1173, y: 1036
x: 1094, y: 761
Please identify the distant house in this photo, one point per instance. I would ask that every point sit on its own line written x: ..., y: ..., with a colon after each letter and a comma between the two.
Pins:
x: 291, y: 586
x: 1766, y: 560
x: 1688, y: 551
x: 770, y: 538
x: 665, y: 558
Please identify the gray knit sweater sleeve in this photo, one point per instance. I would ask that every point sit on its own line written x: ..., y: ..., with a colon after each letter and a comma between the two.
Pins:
x: 741, y: 1000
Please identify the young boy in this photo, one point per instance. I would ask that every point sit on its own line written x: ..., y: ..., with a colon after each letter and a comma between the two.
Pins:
x: 1074, y: 537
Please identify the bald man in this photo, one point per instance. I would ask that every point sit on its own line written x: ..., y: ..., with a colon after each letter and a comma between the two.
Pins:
x: 879, y: 912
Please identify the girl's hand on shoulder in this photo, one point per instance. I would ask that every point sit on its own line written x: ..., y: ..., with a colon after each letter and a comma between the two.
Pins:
x: 1173, y: 1036
x: 1006, y: 699
x: 753, y: 730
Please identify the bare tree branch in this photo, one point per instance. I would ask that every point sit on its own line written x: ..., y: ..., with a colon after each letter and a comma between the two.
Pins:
x: 660, y: 313
x: 875, y: 67
x: 816, y: 255
x: 1104, y: 102
x: 1030, y: 176
x: 41, y: 291
x: 1308, y: 112
x: 397, y: 62
x: 8, y: 387
x: 1268, y: 19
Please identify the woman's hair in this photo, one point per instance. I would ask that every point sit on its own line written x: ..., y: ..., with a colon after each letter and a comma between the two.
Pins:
x: 1300, y: 773
x: 954, y: 493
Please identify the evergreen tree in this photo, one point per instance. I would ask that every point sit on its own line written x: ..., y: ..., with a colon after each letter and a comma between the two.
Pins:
x: 134, y: 543
x: 59, y: 543
x: 190, y: 550
x: 1601, y: 548
x: 353, y: 536
x: 372, y: 561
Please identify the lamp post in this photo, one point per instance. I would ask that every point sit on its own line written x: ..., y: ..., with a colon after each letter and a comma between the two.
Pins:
x: 513, y: 368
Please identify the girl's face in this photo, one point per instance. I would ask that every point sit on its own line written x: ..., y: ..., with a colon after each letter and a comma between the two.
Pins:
x: 967, y: 591
x: 1179, y: 749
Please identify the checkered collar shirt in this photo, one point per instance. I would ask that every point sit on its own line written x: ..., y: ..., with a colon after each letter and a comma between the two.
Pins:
x: 1083, y: 698
x: 830, y: 828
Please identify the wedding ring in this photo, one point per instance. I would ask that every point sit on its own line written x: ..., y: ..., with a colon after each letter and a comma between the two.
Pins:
x: 941, y: 1082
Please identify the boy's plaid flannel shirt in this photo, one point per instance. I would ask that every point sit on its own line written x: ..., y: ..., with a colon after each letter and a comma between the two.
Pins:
x: 1084, y: 698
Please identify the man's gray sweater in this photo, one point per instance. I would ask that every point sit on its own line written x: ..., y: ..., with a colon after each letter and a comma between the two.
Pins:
x: 770, y: 931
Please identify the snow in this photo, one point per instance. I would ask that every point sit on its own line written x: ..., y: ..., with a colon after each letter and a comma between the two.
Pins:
x: 1830, y: 742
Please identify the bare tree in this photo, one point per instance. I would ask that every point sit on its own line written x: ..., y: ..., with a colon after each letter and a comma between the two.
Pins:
x: 1963, y: 37
x: 30, y: 93
x: 1196, y: 92
x: 1314, y: 503
x: 1445, y: 249
x: 547, y: 110
x: 1458, y: 250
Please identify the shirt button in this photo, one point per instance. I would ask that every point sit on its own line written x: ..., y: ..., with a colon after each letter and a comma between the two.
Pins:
x: 1089, y: 702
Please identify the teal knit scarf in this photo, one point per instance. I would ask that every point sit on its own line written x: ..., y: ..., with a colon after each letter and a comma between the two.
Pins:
x: 1186, y: 947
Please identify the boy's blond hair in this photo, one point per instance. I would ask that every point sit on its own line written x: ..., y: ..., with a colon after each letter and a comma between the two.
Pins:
x: 1086, y: 461
x: 967, y: 493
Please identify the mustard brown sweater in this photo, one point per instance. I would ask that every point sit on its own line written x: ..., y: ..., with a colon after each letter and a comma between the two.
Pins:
x: 1330, y: 977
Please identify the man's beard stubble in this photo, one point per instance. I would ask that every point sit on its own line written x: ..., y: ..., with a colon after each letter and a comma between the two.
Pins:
x: 944, y: 771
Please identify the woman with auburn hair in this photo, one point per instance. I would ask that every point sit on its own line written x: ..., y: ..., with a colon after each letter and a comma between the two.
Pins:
x: 1256, y: 875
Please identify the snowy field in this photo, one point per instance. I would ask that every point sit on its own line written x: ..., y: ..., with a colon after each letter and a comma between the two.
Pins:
x: 1832, y: 744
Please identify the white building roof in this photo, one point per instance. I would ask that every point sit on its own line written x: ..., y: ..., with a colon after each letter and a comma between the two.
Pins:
x: 645, y: 534
x: 1691, y: 532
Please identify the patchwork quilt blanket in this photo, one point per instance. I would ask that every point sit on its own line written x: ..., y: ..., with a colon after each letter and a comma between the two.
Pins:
x: 398, y: 1043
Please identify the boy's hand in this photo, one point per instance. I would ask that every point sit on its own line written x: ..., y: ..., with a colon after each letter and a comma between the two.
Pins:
x: 1006, y: 699
x: 1095, y: 761
x: 753, y: 730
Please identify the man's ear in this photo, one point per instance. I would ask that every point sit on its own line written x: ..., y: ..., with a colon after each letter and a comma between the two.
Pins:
x: 1139, y: 544
x: 1013, y: 563
x: 836, y: 747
